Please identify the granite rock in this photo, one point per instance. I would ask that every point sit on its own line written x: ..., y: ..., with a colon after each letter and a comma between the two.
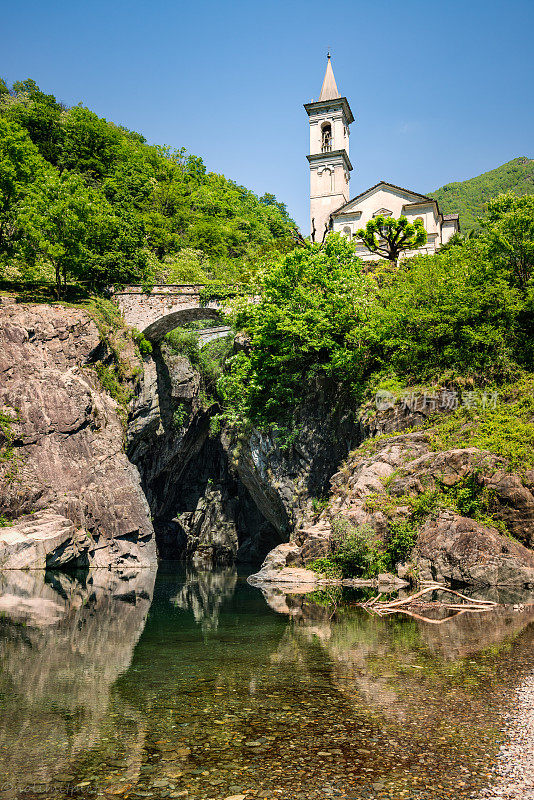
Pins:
x: 66, y: 461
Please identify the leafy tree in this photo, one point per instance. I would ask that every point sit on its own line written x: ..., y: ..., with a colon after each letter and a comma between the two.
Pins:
x: 389, y: 237
x: 320, y: 320
x: 40, y: 115
x: 25, y: 87
x: 304, y: 328
x: 22, y: 170
x: 454, y: 312
x: 89, y: 144
x: 56, y: 223
x: 510, y: 234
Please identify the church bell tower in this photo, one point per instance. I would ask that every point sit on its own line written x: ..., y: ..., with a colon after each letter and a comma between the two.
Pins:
x: 330, y: 167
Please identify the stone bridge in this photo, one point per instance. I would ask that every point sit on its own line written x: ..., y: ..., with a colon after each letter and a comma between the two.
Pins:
x: 166, y: 307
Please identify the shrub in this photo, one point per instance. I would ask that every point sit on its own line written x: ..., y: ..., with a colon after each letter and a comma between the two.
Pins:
x: 145, y: 347
x: 359, y: 553
x: 7, y: 436
x: 319, y: 504
x: 402, y: 537
x: 110, y: 383
x: 180, y: 415
x: 185, y: 343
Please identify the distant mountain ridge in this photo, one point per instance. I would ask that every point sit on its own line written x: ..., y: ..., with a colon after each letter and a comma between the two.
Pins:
x: 469, y: 197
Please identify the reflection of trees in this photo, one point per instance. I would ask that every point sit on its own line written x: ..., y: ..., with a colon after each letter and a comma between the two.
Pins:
x: 204, y: 593
x: 63, y: 643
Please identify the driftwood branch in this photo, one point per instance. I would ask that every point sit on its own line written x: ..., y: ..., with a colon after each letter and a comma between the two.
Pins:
x: 402, y: 605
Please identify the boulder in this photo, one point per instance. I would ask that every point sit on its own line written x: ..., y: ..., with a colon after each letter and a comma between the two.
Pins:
x: 43, y: 541
x: 513, y: 503
x: 280, y: 567
x: 455, y: 549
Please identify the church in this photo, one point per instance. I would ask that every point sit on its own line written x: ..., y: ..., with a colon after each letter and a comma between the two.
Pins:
x: 331, y: 208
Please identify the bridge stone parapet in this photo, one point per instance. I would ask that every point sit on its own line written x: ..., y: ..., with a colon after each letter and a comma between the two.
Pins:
x: 158, y: 311
x: 210, y: 334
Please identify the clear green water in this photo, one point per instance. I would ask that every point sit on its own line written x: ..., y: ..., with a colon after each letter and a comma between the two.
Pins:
x: 194, y: 685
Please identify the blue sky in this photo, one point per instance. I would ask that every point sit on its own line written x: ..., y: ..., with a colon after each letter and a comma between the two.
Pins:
x: 440, y: 91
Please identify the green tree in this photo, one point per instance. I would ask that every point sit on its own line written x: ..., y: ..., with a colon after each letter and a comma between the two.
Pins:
x: 510, y: 234
x: 305, y: 328
x: 56, y: 223
x: 90, y: 145
x: 454, y: 312
x: 389, y: 237
x: 146, y: 204
x: 25, y: 87
x: 22, y: 170
x: 39, y: 114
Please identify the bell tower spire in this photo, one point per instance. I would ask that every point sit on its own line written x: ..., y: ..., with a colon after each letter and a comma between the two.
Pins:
x: 330, y: 167
x: 329, y: 88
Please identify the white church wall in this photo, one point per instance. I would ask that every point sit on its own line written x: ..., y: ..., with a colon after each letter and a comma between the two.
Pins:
x: 389, y: 200
x: 448, y: 229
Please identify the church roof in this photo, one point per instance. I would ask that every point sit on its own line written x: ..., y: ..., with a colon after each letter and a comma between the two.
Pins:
x: 329, y: 88
x: 419, y: 197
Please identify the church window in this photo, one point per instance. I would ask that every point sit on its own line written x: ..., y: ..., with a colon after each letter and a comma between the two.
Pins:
x: 347, y: 232
x: 327, y: 180
x: 326, y: 140
x: 419, y: 219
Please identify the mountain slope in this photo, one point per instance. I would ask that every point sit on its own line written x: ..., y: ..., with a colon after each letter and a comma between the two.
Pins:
x: 469, y: 197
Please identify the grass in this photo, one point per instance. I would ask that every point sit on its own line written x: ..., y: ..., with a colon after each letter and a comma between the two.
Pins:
x: 467, y: 497
x: 506, y: 430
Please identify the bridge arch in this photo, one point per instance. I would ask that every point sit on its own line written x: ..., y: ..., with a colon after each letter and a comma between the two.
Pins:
x: 164, y: 324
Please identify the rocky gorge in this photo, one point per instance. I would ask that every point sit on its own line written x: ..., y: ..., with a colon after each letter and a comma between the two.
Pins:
x: 89, y: 480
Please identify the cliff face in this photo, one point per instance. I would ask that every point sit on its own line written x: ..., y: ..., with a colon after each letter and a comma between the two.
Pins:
x: 201, y: 508
x: 226, y: 496
x: 64, y: 477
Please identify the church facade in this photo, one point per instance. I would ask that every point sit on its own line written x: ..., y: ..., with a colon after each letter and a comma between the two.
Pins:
x: 331, y: 208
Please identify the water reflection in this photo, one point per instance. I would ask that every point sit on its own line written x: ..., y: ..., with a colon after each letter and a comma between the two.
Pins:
x: 226, y: 692
x: 63, y: 643
x: 204, y: 593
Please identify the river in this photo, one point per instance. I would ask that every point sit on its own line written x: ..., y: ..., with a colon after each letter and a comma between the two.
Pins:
x: 196, y: 685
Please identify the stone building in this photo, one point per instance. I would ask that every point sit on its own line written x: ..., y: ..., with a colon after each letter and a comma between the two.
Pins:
x: 331, y: 208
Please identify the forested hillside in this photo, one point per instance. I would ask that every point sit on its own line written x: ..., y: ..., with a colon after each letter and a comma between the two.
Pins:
x: 470, y: 197
x: 82, y: 198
